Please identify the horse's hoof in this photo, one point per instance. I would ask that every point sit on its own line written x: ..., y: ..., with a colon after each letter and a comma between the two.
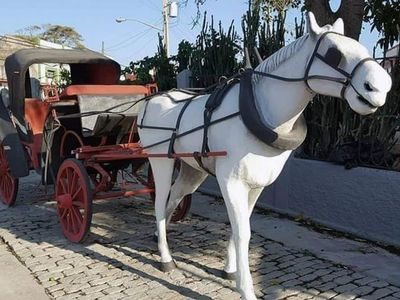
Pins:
x: 228, y: 276
x: 168, y: 266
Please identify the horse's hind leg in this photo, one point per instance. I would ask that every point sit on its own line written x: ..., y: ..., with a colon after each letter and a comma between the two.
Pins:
x: 187, y: 182
x: 162, y: 172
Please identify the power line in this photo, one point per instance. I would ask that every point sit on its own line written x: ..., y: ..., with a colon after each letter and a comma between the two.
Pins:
x: 117, y: 46
x: 154, y: 6
x: 112, y: 47
x: 134, y: 41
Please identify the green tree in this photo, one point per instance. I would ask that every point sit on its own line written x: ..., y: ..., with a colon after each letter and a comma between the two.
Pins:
x: 59, y: 34
x: 384, y: 16
x: 142, y: 70
x: 63, y: 35
x: 185, y: 50
x: 165, y: 71
x: 267, y: 6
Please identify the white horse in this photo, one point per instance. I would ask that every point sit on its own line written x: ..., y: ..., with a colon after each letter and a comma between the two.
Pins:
x: 324, y: 61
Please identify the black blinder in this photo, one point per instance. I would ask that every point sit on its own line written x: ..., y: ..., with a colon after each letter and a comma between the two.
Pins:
x: 333, y: 57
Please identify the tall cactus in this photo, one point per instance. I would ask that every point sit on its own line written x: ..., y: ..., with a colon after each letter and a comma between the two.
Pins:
x: 214, y: 54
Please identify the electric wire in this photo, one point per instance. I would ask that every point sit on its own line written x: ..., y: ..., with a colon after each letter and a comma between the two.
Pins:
x: 129, y: 41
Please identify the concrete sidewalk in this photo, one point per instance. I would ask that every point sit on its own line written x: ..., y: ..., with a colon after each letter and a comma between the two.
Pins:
x: 357, y: 255
x: 16, y: 282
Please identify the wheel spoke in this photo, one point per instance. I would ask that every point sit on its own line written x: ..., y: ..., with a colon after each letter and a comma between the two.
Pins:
x: 63, y: 213
x: 70, y: 225
x: 78, y: 215
x: 66, y: 220
x: 77, y: 192
x: 74, y: 182
x: 78, y: 204
x: 69, y: 187
x: 74, y: 226
x: 62, y: 185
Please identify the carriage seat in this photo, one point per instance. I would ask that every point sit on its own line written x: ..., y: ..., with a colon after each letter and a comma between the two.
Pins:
x: 106, y: 109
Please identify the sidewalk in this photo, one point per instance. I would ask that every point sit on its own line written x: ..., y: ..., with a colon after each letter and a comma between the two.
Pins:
x: 16, y: 282
x: 357, y: 255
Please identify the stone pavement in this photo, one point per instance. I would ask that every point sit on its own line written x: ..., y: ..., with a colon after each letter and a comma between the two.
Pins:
x: 120, y: 259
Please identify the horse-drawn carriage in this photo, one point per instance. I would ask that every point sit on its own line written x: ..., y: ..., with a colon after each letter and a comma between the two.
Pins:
x: 87, y: 135
x: 82, y: 138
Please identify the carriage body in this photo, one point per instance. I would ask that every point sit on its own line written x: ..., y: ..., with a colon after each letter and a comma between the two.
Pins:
x: 79, y: 138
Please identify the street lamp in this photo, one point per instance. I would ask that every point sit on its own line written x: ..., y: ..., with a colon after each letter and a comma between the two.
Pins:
x: 121, y: 19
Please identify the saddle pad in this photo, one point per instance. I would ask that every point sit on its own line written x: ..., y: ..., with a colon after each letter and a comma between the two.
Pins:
x: 94, y: 105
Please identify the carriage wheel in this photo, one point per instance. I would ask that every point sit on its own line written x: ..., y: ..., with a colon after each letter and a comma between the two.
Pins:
x: 74, y: 200
x: 8, y: 184
x: 184, y: 206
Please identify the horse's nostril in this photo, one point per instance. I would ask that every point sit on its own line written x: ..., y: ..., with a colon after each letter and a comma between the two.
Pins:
x: 368, y: 87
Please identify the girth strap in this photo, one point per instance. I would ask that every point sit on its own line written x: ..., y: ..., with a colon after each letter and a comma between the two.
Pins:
x: 213, y: 102
x: 174, y: 132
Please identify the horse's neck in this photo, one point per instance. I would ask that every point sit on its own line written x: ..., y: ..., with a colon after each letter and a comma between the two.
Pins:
x: 280, y: 102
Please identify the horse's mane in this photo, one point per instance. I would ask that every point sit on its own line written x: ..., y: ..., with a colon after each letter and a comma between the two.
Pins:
x: 272, y: 62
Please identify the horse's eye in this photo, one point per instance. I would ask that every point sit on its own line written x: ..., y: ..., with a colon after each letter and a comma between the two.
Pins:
x: 333, y: 57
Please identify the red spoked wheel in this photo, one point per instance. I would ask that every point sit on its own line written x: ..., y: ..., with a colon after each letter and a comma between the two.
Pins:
x: 182, y: 210
x: 184, y: 206
x: 8, y: 184
x: 74, y: 195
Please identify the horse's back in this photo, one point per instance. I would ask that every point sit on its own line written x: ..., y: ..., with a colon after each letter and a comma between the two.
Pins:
x: 163, y: 111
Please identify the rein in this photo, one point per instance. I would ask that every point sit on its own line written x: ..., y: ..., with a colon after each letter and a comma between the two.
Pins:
x: 253, y: 120
x: 346, y: 81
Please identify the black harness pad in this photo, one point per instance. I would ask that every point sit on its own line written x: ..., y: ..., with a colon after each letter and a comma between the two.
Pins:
x: 216, y: 98
x: 254, y: 123
x: 249, y: 113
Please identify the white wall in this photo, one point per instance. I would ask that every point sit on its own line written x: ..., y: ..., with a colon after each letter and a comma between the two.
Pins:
x: 361, y: 201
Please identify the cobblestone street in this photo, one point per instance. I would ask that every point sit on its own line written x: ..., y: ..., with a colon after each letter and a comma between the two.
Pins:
x: 120, y: 260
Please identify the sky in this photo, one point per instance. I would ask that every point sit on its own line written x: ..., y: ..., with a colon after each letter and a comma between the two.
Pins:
x: 128, y: 41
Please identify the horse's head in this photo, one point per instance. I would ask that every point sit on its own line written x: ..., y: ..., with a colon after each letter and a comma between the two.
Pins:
x: 341, y: 67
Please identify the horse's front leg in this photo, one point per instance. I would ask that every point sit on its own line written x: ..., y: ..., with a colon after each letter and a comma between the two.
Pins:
x: 235, y: 194
x: 230, y: 263
x: 162, y: 172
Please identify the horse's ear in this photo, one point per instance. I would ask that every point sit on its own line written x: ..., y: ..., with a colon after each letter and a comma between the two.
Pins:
x: 338, y: 26
x: 312, y: 26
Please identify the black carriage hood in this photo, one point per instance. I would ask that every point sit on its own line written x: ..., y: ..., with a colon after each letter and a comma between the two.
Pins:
x: 87, y: 67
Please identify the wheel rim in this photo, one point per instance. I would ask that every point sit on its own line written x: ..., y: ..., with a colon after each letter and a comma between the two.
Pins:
x: 182, y: 210
x: 74, y: 204
x: 8, y: 184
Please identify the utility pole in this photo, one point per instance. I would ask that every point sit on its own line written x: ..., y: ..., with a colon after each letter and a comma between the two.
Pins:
x: 166, y: 25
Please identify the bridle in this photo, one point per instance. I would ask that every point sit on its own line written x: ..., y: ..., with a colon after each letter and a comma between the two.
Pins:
x: 332, y: 59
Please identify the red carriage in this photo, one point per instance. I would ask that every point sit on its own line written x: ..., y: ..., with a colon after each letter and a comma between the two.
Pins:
x: 81, y: 138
